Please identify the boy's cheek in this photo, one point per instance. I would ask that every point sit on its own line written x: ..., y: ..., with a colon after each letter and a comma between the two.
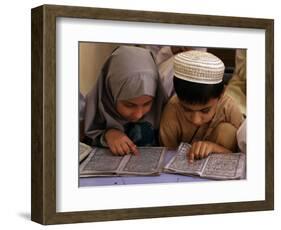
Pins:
x: 209, y: 117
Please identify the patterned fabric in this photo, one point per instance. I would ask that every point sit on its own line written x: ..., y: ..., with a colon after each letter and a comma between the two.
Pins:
x: 141, y: 133
x: 199, y: 67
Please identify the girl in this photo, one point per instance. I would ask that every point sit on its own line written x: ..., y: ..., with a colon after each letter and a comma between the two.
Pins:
x: 124, y: 107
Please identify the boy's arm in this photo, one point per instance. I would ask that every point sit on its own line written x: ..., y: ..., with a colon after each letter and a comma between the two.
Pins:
x: 169, y: 127
x: 234, y: 119
x: 234, y: 115
x: 224, y: 135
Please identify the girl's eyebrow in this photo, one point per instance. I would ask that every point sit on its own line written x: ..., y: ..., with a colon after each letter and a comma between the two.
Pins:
x: 128, y: 103
x: 147, y: 102
x: 131, y: 103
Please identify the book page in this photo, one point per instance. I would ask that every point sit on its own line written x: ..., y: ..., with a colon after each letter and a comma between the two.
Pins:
x: 225, y: 166
x: 147, y: 162
x: 100, y: 161
x: 84, y: 151
x: 180, y: 164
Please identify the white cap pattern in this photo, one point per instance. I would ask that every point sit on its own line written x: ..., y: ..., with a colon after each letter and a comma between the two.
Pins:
x: 199, y: 67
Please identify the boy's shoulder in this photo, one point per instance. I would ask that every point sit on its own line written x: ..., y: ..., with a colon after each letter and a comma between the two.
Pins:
x: 229, y: 108
x: 227, y: 102
x: 232, y: 112
x: 172, y: 106
x: 173, y: 102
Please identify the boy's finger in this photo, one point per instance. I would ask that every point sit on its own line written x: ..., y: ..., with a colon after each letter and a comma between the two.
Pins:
x: 203, y: 150
x: 191, y: 157
x: 208, y: 151
x: 188, y: 154
x: 191, y: 150
x: 196, y: 150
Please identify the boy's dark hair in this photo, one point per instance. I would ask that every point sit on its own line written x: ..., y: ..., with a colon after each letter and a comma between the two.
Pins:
x: 197, y: 93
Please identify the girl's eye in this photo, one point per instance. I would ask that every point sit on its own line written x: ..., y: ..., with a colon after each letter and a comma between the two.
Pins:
x: 148, y: 103
x: 129, y: 105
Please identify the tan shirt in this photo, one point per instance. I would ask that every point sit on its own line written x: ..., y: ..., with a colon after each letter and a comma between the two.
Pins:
x: 236, y: 88
x: 175, y: 127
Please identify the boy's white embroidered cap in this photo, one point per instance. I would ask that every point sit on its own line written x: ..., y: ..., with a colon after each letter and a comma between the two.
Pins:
x: 198, y: 66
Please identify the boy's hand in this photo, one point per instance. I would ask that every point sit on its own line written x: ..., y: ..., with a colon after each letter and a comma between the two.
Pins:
x: 200, y: 150
x: 119, y: 143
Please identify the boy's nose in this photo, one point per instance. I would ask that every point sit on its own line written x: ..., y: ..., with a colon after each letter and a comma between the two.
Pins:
x: 196, y: 119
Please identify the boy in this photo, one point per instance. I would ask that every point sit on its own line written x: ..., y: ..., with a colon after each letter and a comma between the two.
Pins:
x: 200, y: 113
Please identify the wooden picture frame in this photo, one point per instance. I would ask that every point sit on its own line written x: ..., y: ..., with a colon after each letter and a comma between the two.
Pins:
x: 43, y: 207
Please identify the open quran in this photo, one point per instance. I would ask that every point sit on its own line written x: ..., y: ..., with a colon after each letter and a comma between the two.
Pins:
x: 101, y: 162
x: 84, y: 151
x: 215, y: 166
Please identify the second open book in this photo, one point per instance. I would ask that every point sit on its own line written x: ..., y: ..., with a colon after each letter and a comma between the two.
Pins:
x: 215, y: 166
x: 152, y: 161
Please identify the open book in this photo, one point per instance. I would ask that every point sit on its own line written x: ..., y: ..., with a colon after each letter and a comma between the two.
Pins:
x: 215, y: 166
x: 84, y: 151
x: 101, y: 162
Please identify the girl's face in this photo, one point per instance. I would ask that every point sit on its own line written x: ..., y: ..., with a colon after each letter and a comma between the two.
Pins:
x: 200, y: 114
x: 134, y: 109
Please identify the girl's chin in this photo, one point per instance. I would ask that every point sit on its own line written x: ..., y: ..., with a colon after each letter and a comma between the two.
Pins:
x: 133, y: 121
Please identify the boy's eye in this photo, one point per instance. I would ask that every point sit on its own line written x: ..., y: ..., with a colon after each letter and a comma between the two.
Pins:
x: 205, y: 110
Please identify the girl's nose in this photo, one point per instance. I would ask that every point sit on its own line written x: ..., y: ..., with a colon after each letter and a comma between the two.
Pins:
x: 138, y: 113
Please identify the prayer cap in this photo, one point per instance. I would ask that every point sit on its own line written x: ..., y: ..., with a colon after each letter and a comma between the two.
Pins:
x: 199, y: 67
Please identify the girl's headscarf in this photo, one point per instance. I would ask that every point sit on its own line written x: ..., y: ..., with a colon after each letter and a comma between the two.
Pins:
x: 128, y: 73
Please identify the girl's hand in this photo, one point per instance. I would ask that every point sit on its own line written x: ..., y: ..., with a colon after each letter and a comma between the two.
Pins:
x: 119, y: 143
x: 202, y: 149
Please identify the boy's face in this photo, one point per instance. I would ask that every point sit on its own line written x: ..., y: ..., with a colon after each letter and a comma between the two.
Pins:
x: 200, y: 114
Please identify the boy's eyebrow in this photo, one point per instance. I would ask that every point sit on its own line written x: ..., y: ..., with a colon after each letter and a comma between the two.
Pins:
x: 206, y: 108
